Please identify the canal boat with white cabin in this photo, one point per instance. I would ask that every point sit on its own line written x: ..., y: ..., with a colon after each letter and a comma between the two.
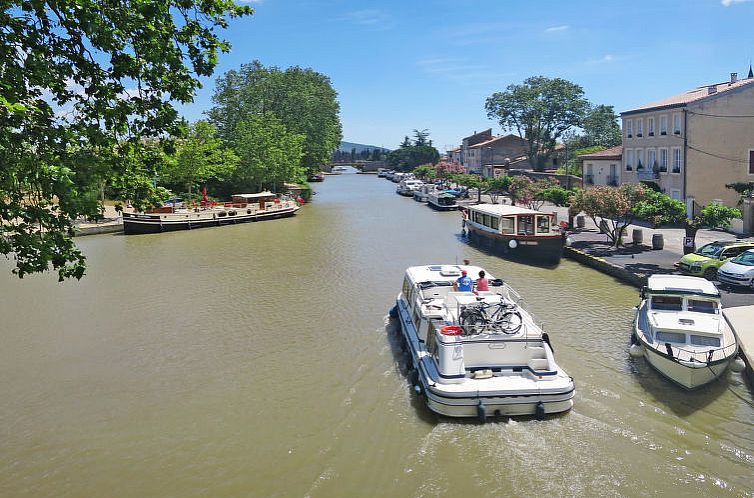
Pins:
x: 680, y: 330
x: 408, y: 187
x: 515, y: 231
x: 440, y: 200
x: 477, y: 354
x: 243, y: 208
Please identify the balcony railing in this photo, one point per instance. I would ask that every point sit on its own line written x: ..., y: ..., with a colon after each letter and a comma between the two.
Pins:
x: 647, y: 174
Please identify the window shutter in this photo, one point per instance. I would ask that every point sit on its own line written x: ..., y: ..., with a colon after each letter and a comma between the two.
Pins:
x: 751, y: 162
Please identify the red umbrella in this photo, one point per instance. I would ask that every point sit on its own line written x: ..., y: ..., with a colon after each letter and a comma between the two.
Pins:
x: 204, y: 195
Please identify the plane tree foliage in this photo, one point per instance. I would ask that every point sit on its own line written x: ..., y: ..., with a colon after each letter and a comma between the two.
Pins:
x: 300, y: 99
x: 81, y: 82
x: 541, y: 110
x: 613, y: 206
x: 199, y: 156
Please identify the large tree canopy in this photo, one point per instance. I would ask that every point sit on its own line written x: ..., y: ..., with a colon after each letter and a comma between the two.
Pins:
x: 80, y: 83
x: 303, y: 100
x: 540, y: 110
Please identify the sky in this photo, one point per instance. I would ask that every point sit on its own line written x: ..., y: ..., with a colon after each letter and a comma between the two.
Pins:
x: 401, y: 65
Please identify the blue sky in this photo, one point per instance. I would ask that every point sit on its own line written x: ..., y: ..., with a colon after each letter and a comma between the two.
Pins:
x: 399, y: 65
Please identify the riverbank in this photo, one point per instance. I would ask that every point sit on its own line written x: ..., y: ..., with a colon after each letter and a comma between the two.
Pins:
x: 112, y: 222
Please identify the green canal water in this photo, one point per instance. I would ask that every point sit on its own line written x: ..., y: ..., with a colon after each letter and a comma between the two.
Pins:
x: 258, y: 360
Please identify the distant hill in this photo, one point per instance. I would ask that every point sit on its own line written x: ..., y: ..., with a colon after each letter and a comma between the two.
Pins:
x: 349, y: 146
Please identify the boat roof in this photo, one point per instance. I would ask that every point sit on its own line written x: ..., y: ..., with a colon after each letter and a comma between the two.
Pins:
x: 687, y: 322
x: 504, y: 210
x: 443, y: 273
x: 254, y: 196
x: 681, y: 284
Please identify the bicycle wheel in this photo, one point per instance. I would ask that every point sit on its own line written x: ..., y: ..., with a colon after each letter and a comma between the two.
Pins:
x: 508, y: 322
x: 472, y: 321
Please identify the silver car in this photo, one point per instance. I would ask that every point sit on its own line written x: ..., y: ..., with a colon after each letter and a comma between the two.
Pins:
x: 738, y: 271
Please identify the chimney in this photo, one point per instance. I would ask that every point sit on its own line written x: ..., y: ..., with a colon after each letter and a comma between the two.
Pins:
x: 711, y: 89
x: 733, y: 77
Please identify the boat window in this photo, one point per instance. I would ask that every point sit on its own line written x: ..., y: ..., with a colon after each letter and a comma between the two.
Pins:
x: 507, y: 225
x: 486, y: 220
x: 495, y: 223
x: 677, y: 337
x: 543, y: 224
x: 406, y: 287
x: 526, y: 225
x: 703, y: 340
x: 702, y: 306
x: 668, y: 303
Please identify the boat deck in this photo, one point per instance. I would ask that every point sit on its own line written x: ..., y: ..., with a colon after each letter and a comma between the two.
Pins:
x: 740, y: 319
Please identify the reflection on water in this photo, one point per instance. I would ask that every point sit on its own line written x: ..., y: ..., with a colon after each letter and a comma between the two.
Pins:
x: 258, y: 360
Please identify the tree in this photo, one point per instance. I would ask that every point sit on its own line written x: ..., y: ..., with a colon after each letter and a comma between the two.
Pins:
x: 660, y: 209
x: 408, y: 158
x: 599, y: 129
x: 540, y: 110
x: 199, y: 157
x: 713, y: 215
x: 495, y: 186
x: 303, y: 100
x: 269, y: 154
x: 425, y: 171
x: 421, y: 137
x: 82, y: 79
x: 613, y: 205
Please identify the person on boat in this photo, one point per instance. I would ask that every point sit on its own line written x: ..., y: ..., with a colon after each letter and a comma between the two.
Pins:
x: 482, y: 284
x: 463, y: 283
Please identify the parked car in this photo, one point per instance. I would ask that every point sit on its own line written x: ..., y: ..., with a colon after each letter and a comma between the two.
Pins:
x: 708, y: 258
x: 738, y: 271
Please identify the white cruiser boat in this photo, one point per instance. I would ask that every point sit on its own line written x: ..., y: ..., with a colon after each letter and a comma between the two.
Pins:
x: 477, y: 354
x: 408, y: 187
x: 441, y: 200
x: 681, y: 331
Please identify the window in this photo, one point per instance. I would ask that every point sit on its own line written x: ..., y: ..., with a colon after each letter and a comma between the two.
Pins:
x: 495, y: 223
x: 651, y: 126
x: 703, y: 340
x: 676, y: 337
x: 701, y: 306
x: 526, y: 225
x: 676, y: 124
x: 486, y: 220
x: 751, y: 161
x: 629, y: 160
x: 675, y: 195
x: 639, y: 159
x: 543, y: 224
x: 506, y: 225
x: 639, y: 127
x: 663, y: 160
x: 629, y: 128
x: 652, y: 159
x: 666, y: 303
x: 676, y: 159
x: 663, y: 125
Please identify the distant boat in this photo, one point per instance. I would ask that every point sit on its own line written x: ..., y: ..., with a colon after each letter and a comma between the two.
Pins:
x: 317, y: 177
x: 243, y: 208
x: 515, y: 231
x: 442, y: 201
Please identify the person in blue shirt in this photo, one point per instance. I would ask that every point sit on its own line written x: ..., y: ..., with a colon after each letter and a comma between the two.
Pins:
x: 464, y: 283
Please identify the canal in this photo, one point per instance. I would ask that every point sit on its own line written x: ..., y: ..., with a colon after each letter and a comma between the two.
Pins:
x: 258, y: 360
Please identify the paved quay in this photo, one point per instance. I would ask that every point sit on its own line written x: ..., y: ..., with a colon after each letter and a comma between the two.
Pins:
x: 111, y: 223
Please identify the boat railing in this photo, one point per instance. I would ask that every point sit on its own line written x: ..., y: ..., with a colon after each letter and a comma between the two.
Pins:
x: 694, y: 355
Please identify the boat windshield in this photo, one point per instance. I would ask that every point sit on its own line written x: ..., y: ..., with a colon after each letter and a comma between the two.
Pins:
x: 746, y: 259
x: 701, y: 306
x: 667, y: 303
x: 711, y: 250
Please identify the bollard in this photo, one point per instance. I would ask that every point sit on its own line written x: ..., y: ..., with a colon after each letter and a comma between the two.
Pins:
x: 637, y: 236
x: 658, y: 242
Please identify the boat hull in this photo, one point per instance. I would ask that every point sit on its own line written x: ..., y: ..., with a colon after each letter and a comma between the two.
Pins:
x: 689, y: 375
x: 456, y: 401
x: 547, y: 249
x: 441, y: 207
x: 134, y: 224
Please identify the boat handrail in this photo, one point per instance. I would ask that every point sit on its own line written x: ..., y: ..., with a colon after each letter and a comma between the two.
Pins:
x: 694, y: 355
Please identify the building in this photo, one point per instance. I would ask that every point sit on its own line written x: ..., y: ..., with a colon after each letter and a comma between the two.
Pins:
x: 692, y: 144
x: 471, y: 157
x: 602, y: 167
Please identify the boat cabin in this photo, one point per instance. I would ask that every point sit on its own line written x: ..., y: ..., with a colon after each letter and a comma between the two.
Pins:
x: 683, y: 311
x: 241, y: 200
x: 513, y: 220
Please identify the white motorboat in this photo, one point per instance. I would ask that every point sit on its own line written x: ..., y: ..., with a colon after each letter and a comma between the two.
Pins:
x: 477, y: 354
x: 408, y: 187
x: 442, y: 200
x: 680, y: 330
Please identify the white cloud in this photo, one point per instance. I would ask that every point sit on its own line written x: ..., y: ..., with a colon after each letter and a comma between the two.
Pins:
x: 368, y: 17
x: 606, y: 59
x: 728, y: 3
x: 554, y: 29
